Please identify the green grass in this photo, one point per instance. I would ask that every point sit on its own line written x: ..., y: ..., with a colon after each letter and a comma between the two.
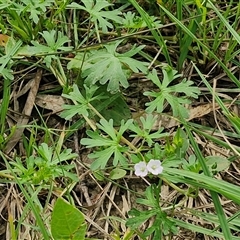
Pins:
x: 74, y: 173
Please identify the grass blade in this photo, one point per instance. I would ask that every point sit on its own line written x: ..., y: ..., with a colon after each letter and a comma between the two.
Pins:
x: 185, y: 29
x: 157, y: 35
x: 215, y: 197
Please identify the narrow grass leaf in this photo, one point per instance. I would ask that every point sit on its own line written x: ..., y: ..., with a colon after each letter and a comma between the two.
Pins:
x: 156, y: 34
x: 226, y: 23
x: 34, y: 208
x: 217, y: 204
x: 211, y: 53
x: 202, y: 230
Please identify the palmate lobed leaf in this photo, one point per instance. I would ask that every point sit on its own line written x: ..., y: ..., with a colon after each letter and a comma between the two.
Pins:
x: 107, y: 127
x: 103, y: 23
x: 177, y: 104
x: 107, y: 65
x: 107, y: 69
x: 35, y: 8
x: 81, y: 102
x: 46, y: 166
x: 168, y: 93
x: 139, y: 217
x: 98, y: 14
x: 71, y: 110
x: 185, y: 87
x: 133, y: 64
x: 55, y: 41
x: 109, y: 144
x: 65, y: 155
x: 45, y: 152
x: 101, y: 158
x: 96, y: 140
x: 144, y: 130
x: 119, y: 157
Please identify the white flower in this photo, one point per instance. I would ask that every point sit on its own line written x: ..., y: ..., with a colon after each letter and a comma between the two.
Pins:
x: 141, y: 169
x: 154, y: 167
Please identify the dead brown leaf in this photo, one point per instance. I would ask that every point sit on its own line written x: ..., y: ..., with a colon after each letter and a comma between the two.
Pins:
x: 23, y: 120
x: 50, y: 102
x: 166, y: 121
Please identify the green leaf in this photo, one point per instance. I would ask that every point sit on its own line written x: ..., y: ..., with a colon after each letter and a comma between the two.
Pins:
x: 45, y: 167
x: 109, y: 145
x: 65, y: 155
x: 81, y: 102
x: 5, y: 61
x: 139, y: 217
x: 117, y: 173
x: 135, y: 22
x: 145, y: 129
x: 235, y: 120
x: 35, y: 8
x: 55, y: 41
x: 217, y: 163
x: 229, y: 190
x: 76, y: 62
x: 170, y: 93
x: 156, y: 33
x: 107, y: 127
x: 98, y: 14
x: 99, y: 175
x: 101, y: 158
x: 106, y: 65
x: 68, y: 222
x: 28, y: 50
x: 95, y: 140
x: 4, y: 5
x: 45, y: 152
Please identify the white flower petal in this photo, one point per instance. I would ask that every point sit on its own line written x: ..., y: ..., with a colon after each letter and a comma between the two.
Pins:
x: 154, y: 167
x: 141, y: 169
